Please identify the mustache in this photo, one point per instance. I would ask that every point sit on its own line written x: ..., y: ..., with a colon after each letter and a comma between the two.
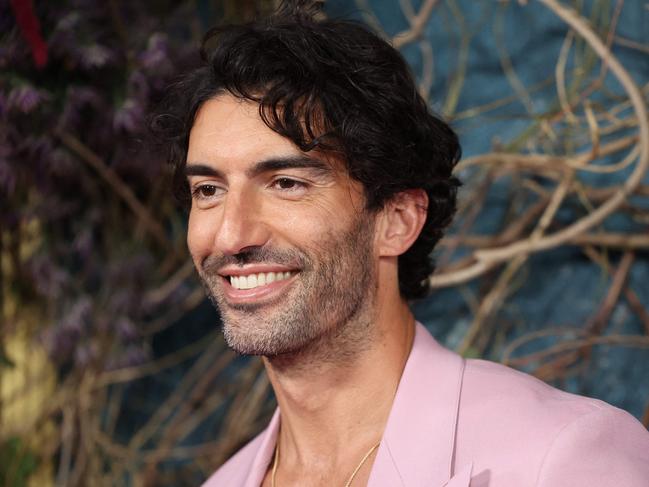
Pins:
x: 256, y: 255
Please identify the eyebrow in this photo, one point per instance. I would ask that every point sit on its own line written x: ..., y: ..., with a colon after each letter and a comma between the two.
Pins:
x: 266, y: 165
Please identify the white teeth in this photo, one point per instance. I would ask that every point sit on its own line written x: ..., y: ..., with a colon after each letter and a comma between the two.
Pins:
x: 255, y: 280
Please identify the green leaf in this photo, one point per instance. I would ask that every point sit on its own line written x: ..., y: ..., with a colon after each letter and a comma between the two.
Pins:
x: 5, y: 361
x: 472, y: 352
x: 17, y: 463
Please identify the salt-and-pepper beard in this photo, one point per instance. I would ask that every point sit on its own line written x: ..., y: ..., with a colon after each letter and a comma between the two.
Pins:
x: 326, y: 312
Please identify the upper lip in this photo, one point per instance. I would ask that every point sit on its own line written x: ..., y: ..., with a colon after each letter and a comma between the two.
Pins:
x: 254, y: 269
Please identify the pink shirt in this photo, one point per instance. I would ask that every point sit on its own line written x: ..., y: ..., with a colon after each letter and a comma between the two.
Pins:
x: 474, y: 423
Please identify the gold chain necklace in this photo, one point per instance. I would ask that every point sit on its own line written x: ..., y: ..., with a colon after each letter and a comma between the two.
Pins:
x: 347, y: 484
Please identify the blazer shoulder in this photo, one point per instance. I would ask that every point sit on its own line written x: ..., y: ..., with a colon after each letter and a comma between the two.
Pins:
x: 507, y: 417
x: 524, y: 412
x: 607, y: 448
x: 235, y: 471
x: 516, y: 390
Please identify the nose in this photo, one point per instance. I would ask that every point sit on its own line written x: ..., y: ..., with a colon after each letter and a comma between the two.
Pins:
x: 241, y: 224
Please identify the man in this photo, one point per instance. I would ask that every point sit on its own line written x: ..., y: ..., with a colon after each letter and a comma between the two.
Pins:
x: 319, y: 185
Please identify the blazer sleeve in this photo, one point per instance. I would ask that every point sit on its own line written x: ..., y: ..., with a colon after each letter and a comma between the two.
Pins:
x: 604, y: 448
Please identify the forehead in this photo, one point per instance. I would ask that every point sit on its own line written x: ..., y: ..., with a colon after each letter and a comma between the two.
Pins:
x: 228, y: 129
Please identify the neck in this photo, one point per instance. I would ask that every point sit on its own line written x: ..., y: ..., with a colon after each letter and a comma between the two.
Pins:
x: 332, y: 409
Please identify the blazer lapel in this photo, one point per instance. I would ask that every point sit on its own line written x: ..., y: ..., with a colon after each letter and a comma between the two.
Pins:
x: 262, y: 458
x: 461, y: 479
x: 419, y: 439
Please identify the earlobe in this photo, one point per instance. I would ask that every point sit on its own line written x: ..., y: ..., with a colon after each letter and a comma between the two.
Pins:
x: 401, y: 222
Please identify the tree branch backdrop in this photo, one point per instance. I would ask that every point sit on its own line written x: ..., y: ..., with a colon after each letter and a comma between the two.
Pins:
x: 112, y: 368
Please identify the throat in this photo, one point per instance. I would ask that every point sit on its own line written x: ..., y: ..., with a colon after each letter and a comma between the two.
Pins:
x: 332, y: 407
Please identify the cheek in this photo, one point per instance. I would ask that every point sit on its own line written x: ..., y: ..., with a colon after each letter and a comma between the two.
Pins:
x: 305, y: 229
x: 312, y: 217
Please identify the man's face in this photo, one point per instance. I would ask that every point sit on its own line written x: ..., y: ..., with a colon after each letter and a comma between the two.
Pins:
x: 280, y: 238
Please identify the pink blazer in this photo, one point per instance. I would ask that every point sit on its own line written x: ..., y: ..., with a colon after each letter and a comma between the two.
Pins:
x: 473, y: 423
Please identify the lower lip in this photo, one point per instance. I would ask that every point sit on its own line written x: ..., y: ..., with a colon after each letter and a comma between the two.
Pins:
x: 266, y: 292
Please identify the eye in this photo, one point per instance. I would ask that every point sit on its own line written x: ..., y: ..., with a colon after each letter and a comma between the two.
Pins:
x: 205, y: 191
x: 288, y: 184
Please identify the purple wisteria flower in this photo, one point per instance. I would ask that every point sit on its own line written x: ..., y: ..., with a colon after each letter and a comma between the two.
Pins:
x: 129, y: 117
x: 49, y: 280
x: 138, y: 85
x: 91, y: 268
x: 83, y: 242
x: 85, y: 353
x: 79, y: 316
x: 25, y: 98
x: 95, y: 56
x: 126, y: 330
x: 156, y: 57
x: 64, y: 339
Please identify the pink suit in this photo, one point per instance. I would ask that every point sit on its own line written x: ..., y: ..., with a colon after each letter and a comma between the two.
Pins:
x: 473, y: 423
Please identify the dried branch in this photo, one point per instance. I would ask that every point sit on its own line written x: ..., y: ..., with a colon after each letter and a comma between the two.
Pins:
x: 487, y: 259
x: 598, y: 322
x: 416, y: 26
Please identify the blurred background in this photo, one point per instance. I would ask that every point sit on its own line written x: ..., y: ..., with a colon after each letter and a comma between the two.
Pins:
x: 112, y: 368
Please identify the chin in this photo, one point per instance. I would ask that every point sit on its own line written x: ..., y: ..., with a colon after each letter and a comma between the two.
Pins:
x: 249, y: 334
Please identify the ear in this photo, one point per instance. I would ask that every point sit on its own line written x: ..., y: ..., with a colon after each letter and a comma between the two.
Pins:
x: 401, y: 221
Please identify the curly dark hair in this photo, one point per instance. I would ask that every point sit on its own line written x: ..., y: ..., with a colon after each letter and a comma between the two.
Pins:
x: 335, y: 86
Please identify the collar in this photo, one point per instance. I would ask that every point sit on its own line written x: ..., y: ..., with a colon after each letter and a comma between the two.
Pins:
x: 418, y: 443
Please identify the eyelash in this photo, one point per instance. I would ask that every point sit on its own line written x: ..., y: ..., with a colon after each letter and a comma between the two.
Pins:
x: 197, y: 192
x: 297, y: 184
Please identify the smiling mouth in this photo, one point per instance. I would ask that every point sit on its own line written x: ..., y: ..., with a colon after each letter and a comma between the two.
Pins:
x: 259, y: 279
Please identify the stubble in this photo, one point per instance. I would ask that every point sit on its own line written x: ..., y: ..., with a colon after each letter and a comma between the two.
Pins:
x: 326, y: 314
